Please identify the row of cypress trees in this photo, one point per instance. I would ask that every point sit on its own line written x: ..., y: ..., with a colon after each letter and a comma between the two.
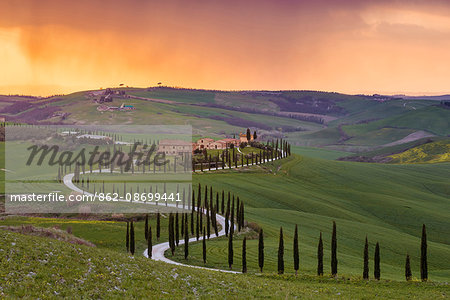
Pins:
x: 174, y: 241
x: 334, y: 261
x: 408, y: 273
x: 199, y: 209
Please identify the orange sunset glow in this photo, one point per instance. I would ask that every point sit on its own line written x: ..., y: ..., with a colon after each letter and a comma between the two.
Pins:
x: 50, y: 47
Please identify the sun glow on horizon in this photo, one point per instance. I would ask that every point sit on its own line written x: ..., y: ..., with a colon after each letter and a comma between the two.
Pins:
x: 54, y: 48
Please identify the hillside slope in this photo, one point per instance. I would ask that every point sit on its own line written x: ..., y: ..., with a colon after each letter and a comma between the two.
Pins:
x: 306, y: 118
x: 389, y: 203
x: 43, y: 268
x: 434, y: 152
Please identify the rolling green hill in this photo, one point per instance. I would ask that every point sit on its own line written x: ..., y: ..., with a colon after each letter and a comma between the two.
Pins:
x: 306, y: 118
x: 43, y: 268
x: 388, y: 203
x: 425, y: 150
x: 433, y: 152
x: 432, y: 119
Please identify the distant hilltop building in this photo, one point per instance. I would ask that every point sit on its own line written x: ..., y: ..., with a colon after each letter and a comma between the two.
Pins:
x: 210, y: 144
x: 175, y: 147
x: 243, y: 137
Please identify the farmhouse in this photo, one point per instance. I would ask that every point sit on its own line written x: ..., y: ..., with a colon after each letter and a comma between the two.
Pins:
x: 174, y: 147
x: 204, y: 143
x: 243, y: 138
x: 209, y: 144
x: 227, y: 142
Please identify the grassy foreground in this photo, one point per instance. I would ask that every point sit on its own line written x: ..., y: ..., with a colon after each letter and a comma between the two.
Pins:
x: 39, y: 267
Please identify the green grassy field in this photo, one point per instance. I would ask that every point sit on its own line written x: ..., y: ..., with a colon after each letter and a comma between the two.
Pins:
x: 319, y: 152
x: 388, y: 203
x: 367, y: 123
x: 43, y: 268
x: 104, y: 234
x: 433, y: 152
x: 425, y: 150
x: 432, y: 119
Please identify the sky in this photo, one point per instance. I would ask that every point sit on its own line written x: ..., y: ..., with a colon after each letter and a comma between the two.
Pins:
x: 391, y: 47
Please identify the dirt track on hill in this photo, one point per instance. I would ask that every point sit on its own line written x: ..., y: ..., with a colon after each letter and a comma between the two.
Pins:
x: 410, y: 138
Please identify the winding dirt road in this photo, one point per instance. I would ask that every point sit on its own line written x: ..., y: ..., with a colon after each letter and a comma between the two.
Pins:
x: 159, y: 249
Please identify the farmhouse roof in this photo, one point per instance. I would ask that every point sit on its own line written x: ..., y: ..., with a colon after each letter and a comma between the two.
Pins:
x: 227, y: 140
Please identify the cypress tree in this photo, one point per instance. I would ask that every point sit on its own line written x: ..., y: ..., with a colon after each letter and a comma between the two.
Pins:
x: 146, y: 227
x: 281, y: 253
x: 204, y: 246
x: 227, y: 224
x: 208, y: 222
x: 228, y: 202
x: 199, y: 196
x: 376, y: 268
x: 230, y: 251
x: 296, y: 256
x: 212, y: 213
x: 217, y: 202
x: 320, y: 256
x: 244, y: 255
x: 132, y: 238
x: 127, y: 239
x: 211, y: 207
x: 192, y: 212
x: 200, y: 214
x: 408, y: 274
x: 334, y: 261
x: 171, y: 234
x: 242, y: 214
x: 197, y: 227
x: 423, y: 255
x: 149, y: 243
x: 366, y: 260
x: 216, y: 229
x: 223, y: 203
x: 232, y: 218
x: 177, y: 230
x: 182, y: 224
x: 238, y: 222
x: 206, y: 197
x: 261, y: 250
x: 158, y: 225
x: 186, y: 240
